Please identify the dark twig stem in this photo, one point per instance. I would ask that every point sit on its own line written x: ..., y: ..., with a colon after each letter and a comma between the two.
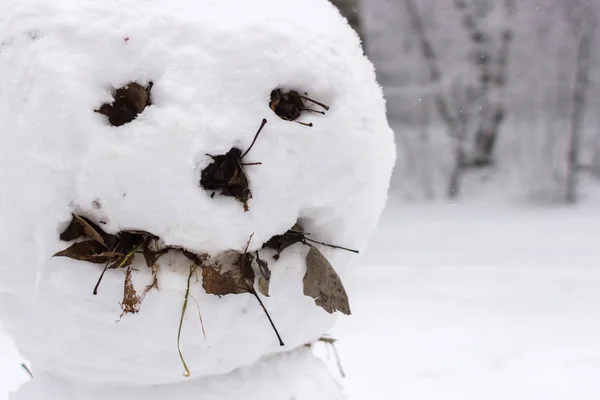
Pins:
x: 326, y: 107
x: 262, y: 125
x: 268, y: 316
x: 100, y: 279
x: 330, y: 245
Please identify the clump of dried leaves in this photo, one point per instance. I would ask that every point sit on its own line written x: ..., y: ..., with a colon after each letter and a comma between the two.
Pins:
x: 114, y: 251
x: 227, y: 175
x: 290, y: 105
x: 130, y: 101
x: 118, y: 251
x: 320, y: 281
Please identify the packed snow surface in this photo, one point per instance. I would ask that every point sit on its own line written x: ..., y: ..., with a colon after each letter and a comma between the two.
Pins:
x: 300, y: 375
x: 213, y: 65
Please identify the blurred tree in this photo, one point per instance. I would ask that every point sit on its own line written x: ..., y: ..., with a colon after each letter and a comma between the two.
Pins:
x: 584, y: 23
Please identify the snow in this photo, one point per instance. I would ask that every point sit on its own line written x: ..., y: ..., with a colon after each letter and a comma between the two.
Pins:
x: 472, y: 301
x: 300, y: 375
x: 213, y: 65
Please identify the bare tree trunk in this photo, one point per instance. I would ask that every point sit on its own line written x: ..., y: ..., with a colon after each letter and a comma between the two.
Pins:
x: 452, y: 118
x: 351, y: 10
x: 578, y: 114
x: 493, y: 68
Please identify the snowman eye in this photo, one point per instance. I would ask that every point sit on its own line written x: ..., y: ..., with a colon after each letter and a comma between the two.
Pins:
x: 290, y: 105
x: 130, y: 101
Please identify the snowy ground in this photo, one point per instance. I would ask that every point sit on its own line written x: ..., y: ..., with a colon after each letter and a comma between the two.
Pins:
x: 467, y: 303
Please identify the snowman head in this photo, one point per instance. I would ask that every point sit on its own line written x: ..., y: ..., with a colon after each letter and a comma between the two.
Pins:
x: 137, y: 117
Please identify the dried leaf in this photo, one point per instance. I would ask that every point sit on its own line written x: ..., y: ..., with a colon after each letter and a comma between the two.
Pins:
x: 223, y: 283
x: 124, y: 261
x: 152, y: 256
x: 263, y: 266
x: 129, y: 102
x: 323, y: 284
x: 295, y: 235
x: 264, y: 279
x: 263, y: 286
x: 226, y: 174
x: 131, y: 301
x: 128, y: 240
x: 290, y: 105
x: 289, y: 238
x: 81, y: 227
x: 74, y: 230
x: 90, y: 229
x: 90, y: 251
x: 238, y: 280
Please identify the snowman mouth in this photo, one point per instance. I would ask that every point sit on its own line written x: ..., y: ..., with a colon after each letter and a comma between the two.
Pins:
x: 229, y: 273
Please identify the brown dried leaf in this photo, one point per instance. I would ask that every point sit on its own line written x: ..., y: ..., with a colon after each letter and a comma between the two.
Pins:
x: 129, y: 240
x: 263, y: 266
x: 81, y: 226
x: 222, y: 283
x: 131, y: 301
x: 226, y: 173
x: 129, y: 102
x: 90, y: 230
x: 263, y: 286
x: 323, y: 284
x: 74, y: 231
x: 90, y: 251
x: 289, y: 238
x: 264, y: 279
x: 152, y: 256
x: 290, y: 105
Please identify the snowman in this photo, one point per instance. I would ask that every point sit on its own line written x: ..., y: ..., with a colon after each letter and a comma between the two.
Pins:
x: 185, y: 187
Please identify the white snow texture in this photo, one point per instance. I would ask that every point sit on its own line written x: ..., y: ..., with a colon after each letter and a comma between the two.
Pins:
x: 297, y: 374
x: 214, y: 64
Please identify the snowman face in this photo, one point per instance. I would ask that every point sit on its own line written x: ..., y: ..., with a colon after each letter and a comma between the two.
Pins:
x: 213, y: 81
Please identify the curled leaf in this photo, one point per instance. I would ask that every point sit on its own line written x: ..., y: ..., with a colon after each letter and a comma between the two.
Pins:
x: 285, y: 240
x: 226, y: 173
x: 323, y: 284
x: 263, y: 286
x: 129, y: 102
x: 90, y: 251
x: 83, y: 227
x: 263, y: 266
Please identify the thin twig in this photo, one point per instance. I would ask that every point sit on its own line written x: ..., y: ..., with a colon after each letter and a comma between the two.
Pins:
x: 326, y: 107
x: 262, y: 125
x: 333, y: 246
x: 200, y: 316
x: 121, y: 264
x: 185, y: 302
x: 331, y: 342
x: 26, y: 368
x: 268, y: 316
